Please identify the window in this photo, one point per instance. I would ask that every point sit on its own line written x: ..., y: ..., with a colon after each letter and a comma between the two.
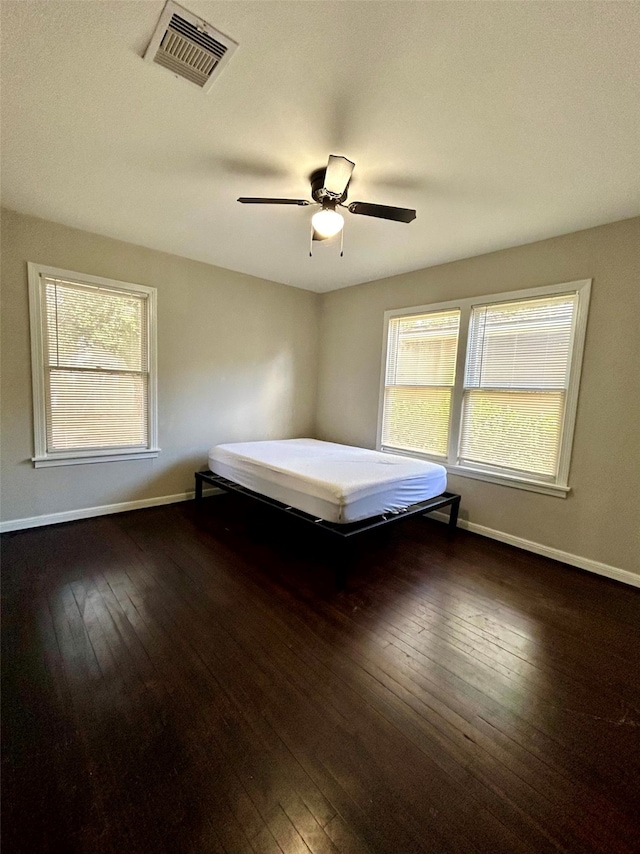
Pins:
x: 93, y: 367
x: 421, y: 367
x: 488, y: 386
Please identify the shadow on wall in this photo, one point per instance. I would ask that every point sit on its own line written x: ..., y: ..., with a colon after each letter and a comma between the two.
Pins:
x: 262, y: 400
x: 277, y: 398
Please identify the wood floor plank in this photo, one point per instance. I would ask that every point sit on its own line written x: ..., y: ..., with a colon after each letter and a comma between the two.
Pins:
x: 548, y: 816
x: 307, y: 826
x: 390, y: 809
x: 184, y: 680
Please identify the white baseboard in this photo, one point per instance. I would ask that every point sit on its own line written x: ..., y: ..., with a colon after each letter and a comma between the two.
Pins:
x: 547, y: 551
x: 614, y: 572
x: 105, y: 510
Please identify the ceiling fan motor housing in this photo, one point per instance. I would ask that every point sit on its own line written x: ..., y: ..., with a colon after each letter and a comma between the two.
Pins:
x: 318, y: 191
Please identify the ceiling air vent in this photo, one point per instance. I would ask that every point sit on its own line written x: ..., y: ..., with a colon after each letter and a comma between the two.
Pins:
x: 189, y: 47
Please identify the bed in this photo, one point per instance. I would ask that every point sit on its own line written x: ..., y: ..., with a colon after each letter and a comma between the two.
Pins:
x: 343, y: 489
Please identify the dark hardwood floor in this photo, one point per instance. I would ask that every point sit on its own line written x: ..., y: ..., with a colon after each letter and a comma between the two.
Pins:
x: 183, y: 681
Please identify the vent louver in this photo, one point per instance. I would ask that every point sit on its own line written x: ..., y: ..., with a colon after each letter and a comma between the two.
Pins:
x: 189, y: 47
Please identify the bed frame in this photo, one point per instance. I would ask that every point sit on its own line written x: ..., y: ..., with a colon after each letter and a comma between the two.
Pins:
x: 337, y: 531
x: 342, y: 530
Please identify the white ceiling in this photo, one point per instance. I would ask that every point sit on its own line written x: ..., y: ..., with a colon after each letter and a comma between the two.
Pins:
x: 501, y: 123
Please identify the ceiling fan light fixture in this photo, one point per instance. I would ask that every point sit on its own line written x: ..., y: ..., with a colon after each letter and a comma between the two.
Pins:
x: 327, y: 222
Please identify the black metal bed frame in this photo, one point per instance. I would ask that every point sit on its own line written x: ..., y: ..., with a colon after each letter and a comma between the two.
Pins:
x: 343, y: 531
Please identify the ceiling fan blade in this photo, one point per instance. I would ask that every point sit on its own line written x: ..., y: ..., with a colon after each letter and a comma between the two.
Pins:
x: 382, y: 211
x: 338, y: 175
x: 245, y: 200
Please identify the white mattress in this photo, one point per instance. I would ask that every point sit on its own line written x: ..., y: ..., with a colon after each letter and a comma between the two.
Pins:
x: 338, y: 483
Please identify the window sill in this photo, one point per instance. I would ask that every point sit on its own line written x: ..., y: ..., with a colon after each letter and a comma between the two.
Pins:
x: 514, y: 481
x: 79, y: 458
x: 542, y: 487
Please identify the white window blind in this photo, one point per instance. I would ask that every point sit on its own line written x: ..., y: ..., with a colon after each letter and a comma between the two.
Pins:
x: 488, y: 385
x: 97, y: 366
x: 93, y: 356
x: 516, y: 380
x: 420, y: 374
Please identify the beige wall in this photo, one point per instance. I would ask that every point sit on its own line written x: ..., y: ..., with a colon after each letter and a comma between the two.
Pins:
x: 600, y: 520
x: 236, y: 360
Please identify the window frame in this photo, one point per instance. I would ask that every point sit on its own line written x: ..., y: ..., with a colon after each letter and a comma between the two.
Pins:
x: 558, y: 486
x: 42, y: 456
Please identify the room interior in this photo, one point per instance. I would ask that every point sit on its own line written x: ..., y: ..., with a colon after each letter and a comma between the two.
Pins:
x: 512, y: 130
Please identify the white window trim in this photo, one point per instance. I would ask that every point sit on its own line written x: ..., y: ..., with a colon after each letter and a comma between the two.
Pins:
x: 560, y: 485
x: 42, y: 457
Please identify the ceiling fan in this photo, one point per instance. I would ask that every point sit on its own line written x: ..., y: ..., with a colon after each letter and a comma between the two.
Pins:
x: 329, y: 187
